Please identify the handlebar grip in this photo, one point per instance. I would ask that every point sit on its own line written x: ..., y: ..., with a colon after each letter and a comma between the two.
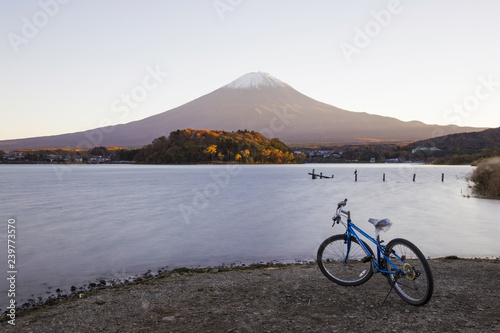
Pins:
x: 342, y: 203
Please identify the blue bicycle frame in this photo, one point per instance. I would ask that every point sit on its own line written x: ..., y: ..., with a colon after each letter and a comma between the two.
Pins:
x: 351, y: 227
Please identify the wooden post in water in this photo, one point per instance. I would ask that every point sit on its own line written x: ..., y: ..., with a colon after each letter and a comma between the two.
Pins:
x: 383, y: 178
x: 442, y: 177
x: 314, y: 175
x: 414, y: 175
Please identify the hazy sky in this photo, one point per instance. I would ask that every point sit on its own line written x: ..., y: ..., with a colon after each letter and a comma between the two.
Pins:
x: 72, y: 65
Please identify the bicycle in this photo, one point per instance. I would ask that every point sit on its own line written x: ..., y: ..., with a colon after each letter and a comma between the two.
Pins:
x: 348, y: 261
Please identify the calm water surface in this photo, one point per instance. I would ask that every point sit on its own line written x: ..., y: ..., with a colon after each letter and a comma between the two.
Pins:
x: 76, y: 224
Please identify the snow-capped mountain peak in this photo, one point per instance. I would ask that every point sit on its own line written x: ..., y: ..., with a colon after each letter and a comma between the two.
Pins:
x: 255, y: 80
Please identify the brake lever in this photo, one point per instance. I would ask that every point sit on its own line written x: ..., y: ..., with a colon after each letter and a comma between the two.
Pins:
x: 337, y: 219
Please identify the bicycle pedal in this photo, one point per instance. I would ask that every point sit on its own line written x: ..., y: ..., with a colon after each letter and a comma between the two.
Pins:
x: 366, y: 259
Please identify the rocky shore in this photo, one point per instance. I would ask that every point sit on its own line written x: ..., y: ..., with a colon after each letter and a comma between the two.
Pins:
x: 294, y: 298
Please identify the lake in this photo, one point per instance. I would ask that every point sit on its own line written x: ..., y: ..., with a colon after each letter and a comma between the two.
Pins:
x: 76, y: 224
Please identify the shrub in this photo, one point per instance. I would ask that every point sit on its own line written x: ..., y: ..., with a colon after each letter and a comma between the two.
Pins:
x: 486, y: 178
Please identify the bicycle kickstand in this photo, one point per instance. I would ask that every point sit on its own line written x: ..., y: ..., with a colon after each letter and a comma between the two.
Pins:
x: 392, y: 286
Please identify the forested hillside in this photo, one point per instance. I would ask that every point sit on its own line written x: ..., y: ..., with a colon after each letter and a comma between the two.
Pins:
x: 212, y: 146
x: 489, y: 138
x: 461, y: 148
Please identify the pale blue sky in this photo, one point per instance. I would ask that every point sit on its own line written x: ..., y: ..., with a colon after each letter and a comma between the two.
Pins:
x: 69, y: 65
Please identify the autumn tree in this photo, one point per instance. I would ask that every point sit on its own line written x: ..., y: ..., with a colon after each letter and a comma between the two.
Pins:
x: 201, y: 146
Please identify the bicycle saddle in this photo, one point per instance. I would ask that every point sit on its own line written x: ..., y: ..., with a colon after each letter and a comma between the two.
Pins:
x: 381, y: 225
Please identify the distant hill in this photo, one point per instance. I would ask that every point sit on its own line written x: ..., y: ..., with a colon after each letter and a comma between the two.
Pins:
x: 205, y: 146
x: 489, y: 138
x: 461, y: 148
x: 257, y: 102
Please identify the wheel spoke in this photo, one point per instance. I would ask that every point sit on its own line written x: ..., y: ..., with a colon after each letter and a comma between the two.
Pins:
x: 340, y: 266
x: 415, y: 284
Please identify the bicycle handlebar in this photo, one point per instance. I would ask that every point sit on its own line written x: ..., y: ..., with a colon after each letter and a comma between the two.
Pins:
x: 337, y: 218
x: 342, y: 203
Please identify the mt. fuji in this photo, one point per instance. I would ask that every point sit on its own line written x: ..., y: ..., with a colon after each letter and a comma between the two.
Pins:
x: 255, y: 101
x: 256, y: 80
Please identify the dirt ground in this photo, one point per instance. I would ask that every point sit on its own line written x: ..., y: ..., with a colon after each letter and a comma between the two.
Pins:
x: 294, y: 298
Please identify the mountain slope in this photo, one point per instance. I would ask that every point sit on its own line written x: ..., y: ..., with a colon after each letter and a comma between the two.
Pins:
x: 489, y: 138
x: 255, y: 101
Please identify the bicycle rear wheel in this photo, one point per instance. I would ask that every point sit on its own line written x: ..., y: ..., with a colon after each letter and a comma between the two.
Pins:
x: 336, y: 265
x: 416, y: 285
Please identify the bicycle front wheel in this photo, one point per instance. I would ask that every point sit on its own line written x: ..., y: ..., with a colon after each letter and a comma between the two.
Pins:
x: 415, y: 284
x: 346, y: 269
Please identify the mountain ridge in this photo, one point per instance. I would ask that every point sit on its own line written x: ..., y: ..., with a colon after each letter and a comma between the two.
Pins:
x: 489, y: 138
x: 255, y: 101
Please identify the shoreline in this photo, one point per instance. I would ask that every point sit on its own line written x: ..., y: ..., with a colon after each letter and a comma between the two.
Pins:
x: 108, y: 284
x: 104, y: 284
x: 230, y: 275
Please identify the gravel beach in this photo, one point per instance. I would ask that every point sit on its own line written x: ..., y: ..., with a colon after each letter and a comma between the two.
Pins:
x: 296, y: 298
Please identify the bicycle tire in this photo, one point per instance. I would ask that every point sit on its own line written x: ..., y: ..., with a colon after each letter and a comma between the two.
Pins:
x: 417, y: 285
x: 331, y: 261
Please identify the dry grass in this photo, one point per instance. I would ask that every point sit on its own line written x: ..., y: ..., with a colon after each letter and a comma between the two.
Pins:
x: 486, y: 178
